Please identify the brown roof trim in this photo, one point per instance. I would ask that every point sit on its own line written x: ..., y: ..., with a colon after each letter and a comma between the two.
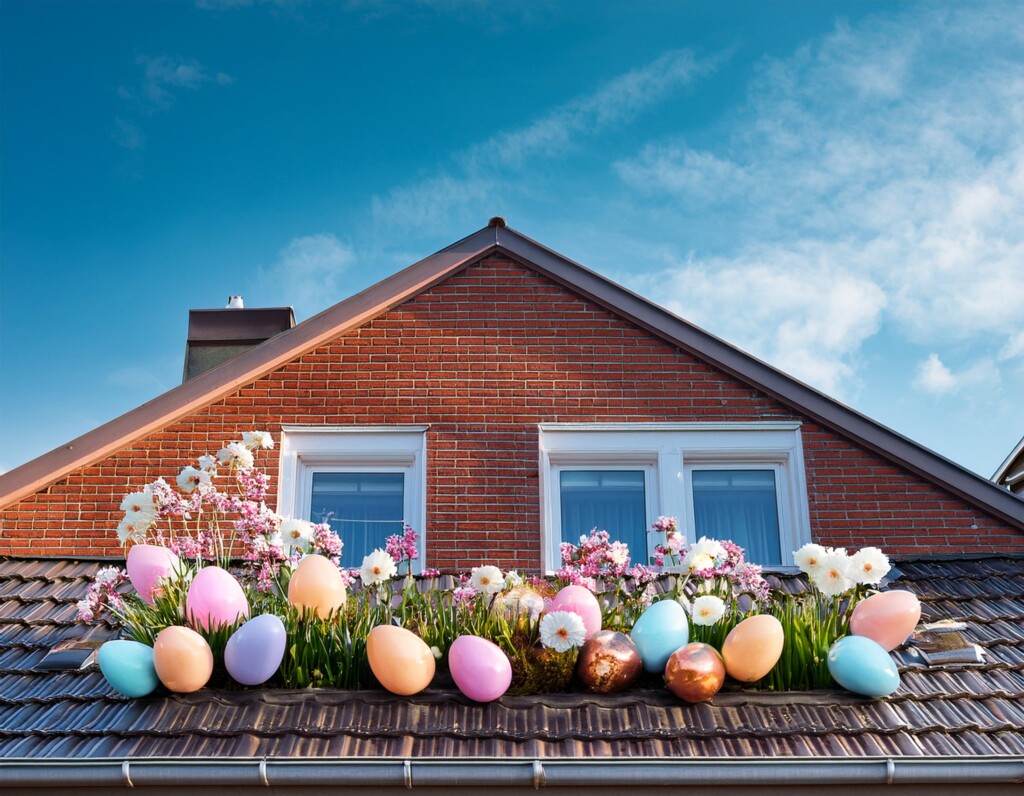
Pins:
x: 813, y: 404
x: 353, y: 312
x: 224, y: 379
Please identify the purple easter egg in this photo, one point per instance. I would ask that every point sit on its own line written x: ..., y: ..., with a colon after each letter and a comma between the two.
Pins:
x: 479, y: 668
x: 147, y: 564
x: 215, y: 598
x: 582, y: 601
x: 254, y: 651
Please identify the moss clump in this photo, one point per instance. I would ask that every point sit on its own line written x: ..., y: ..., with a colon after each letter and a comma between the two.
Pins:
x: 539, y: 670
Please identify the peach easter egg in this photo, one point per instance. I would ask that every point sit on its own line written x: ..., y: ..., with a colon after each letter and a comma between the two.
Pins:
x: 317, y: 584
x: 399, y: 659
x: 887, y: 618
x: 753, y: 647
x: 182, y: 659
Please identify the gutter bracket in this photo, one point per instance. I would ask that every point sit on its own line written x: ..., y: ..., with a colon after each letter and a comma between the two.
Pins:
x: 126, y: 774
x: 890, y: 771
x: 263, y: 773
x: 539, y: 777
x: 407, y: 771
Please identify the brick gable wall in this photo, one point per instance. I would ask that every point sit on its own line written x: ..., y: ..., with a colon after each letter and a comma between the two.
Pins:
x: 482, y: 358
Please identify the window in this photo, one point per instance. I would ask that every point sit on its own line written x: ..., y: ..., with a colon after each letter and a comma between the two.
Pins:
x: 366, y: 481
x: 739, y: 481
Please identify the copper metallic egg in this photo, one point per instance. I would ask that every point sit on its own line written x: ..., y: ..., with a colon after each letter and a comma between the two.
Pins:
x: 695, y: 672
x: 609, y: 662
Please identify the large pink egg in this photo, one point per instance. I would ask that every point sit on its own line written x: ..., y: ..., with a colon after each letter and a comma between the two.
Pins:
x: 147, y: 564
x: 215, y: 598
x: 887, y: 618
x: 182, y: 659
x: 479, y: 667
x: 581, y: 601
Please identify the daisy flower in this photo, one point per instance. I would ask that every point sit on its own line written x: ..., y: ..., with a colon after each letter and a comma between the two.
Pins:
x: 488, y: 580
x: 707, y: 610
x: 236, y: 453
x: 256, y: 440
x: 190, y: 477
x: 809, y: 557
x: 562, y: 630
x: 869, y: 566
x: 296, y: 534
x: 378, y: 566
x: 831, y: 576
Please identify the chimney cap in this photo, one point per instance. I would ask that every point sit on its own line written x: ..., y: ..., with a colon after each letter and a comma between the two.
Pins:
x: 235, y: 303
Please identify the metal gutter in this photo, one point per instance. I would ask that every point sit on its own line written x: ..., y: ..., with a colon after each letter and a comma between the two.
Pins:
x: 410, y: 774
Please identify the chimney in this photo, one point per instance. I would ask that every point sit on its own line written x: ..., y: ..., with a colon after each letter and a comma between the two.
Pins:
x: 215, y: 336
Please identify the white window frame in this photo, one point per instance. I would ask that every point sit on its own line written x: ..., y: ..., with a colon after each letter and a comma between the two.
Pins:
x: 672, y: 450
x: 306, y: 450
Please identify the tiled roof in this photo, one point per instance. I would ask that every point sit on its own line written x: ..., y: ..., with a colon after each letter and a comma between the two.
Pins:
x: 952, y: 710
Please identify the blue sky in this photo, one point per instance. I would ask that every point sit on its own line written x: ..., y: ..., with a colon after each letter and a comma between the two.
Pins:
x: 835, y: 187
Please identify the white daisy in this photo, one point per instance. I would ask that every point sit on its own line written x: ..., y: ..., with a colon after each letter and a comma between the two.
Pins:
x: 255, y: 440
x: 488, y: 580
x: 208, y: 463
x: 562, y: 630
x: 140, y: 503
x: 236, y: 453
x: 295, y: 534
x: 131, y: 530
x: 870, y: 565
x: 831, y: 576
x: 809, y: 557
x: 190, y: 477
x: 377, y: 567
x: 513, y: 579
x: 707, y: 610
x: 703, y: 555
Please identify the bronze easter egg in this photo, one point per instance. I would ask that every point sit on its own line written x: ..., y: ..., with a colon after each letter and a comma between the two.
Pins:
x: 695, y: 672
x: 609, y: 662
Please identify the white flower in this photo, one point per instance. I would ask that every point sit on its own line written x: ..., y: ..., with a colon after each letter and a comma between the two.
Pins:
x: 618, y: 554
x: 208, y: 463
x: 140, y: 504
x: 190, y: 477
x: 562, y: 630
x: 870, y: 565
x: 513, y: 579
x: 275, y: 539
x: 236, y: 453
x: 488, y: 580
x: 254, y: 440
x: 707, y: 610
x: 296, y: 534
x: 831, y: 576
x: 131, y: 530
x: 703, y: 555
x: 809, y: 557
x: 377, y: 567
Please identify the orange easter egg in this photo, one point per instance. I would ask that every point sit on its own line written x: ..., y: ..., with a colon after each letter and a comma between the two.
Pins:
x: 887, y: 618
x: 182, y: 659
x: 753, y: 647
x: 399, y: 659
x: 316, y: 584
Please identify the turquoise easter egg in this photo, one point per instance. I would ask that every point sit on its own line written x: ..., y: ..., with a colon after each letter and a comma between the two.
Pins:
x: 660, y: 631
x: 863, y: 666
x: 128, y: 667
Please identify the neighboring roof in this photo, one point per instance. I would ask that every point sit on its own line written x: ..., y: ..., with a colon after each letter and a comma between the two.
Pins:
x: 949, y: 711
x: 1011, y: 470
x: 497, y: 239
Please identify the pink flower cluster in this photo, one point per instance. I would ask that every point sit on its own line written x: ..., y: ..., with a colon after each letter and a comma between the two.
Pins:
x: 596, y: 556
x: 102, y: 593
x: 673, y: 541
x: 404, y: 547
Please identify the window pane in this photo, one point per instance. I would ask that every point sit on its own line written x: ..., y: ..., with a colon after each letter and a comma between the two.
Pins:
x: 739, y: 505
x: 362, y: 508
x: 609, y: 500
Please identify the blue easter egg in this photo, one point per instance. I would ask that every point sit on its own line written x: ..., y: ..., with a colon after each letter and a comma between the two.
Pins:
x: 660, y: 631
x: 128, y: 667
x: 863, y: 666
x: 255, y: 651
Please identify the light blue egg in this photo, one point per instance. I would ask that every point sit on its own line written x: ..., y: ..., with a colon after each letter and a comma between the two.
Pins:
x: 660, y: 631
x: 863, y: 666
x: 128, y: 667
x: 254, y: 652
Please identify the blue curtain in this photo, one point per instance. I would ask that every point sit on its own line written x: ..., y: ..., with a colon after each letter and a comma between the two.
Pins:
x: 362, y: 508
x: 609, y: 500
x: 739, y: 505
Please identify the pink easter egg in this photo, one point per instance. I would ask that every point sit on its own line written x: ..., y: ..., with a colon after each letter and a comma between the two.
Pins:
x: 581, y: 601
x: 887, y: 618
x: 215, y: 598
x: 479, y: 667
x: 147, y: 564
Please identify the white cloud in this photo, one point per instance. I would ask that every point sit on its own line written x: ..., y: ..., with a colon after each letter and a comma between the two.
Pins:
x: 162, y: 73
x: 934, y: 377
x: 886, y: 159
x: 483, y: 171
x: 307, y: 274
x: 127, y: 134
